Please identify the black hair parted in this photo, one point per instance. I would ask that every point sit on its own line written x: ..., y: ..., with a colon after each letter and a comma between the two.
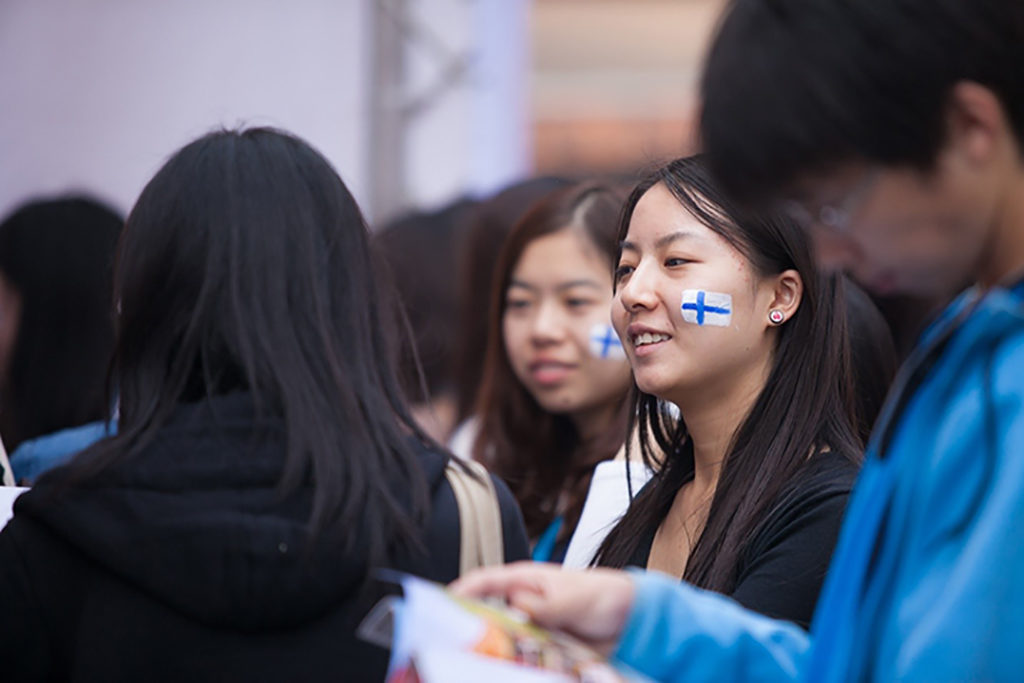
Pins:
x: 797, y: 87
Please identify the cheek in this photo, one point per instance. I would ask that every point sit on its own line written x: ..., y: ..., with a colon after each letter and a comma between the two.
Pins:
x: 618, y: 316
x: 834, y: 252
x: 516, y: 337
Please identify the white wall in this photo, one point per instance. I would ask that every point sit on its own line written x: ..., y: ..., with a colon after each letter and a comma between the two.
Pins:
x: 95, y: 94
x: 474, y: 137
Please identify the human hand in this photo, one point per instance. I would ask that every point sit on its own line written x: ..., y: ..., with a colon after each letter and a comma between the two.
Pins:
x: 591, y: 605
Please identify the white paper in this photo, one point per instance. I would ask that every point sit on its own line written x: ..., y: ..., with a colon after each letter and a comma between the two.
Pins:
x: 7, y: 497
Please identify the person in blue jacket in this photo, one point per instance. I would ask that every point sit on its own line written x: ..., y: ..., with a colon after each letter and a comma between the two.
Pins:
x: 894, y: 130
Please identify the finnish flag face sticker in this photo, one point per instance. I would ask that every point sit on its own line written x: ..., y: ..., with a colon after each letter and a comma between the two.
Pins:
x: 707, y: 308
x: 604, y: 343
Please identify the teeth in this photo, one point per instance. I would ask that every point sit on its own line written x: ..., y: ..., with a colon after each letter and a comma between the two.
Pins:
x: 648, y: 338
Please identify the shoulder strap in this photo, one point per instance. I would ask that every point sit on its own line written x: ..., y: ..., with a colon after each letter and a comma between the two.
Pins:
x: 481, y: 543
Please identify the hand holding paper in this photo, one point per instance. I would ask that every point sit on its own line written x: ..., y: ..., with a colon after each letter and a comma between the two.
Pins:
x: 590, y: 605
x: 439, y: 636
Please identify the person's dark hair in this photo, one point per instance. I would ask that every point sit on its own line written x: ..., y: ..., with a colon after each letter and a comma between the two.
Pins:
x: 873, y: 356
x: 540, y: 455
x: 245, y: 267
x: 58, y: 255
x: 832, y: 81
x: 489, y: 225
x: 806, y: 405
x: 421, y: 251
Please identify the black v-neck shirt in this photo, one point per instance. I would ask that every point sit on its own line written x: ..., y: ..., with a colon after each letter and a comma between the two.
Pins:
x: 782, y: 569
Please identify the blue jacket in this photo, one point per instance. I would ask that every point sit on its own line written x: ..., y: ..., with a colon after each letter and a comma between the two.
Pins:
x: 927, y: 581
x: 34, y: 457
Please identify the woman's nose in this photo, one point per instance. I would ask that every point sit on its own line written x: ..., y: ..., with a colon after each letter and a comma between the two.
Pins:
x: 638, y: 291
x: 548, y: 324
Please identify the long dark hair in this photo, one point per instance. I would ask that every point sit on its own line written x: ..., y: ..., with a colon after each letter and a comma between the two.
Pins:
x: 488, y: 226
x: 245, y: 267
x: 806, y: 405
x: 58, y: 255
x: 540, y: 455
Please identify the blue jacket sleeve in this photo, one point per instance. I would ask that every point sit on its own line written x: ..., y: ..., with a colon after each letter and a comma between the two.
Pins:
x: 679, y: 633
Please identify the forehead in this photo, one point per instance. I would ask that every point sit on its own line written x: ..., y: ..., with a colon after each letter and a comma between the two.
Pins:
x: 658, y: 215
x: 561, y: 256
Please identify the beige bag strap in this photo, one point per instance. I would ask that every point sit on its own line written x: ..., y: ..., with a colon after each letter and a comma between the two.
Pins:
x: 481, y: 543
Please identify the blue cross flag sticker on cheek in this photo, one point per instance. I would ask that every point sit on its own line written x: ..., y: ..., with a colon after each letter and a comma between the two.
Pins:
x: 604, y: 343
x: 707, y: 308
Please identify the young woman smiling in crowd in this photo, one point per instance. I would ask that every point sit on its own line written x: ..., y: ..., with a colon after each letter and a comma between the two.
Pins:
x: 724, y: 315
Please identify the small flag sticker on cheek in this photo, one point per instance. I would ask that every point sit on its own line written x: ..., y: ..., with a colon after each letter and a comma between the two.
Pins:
x: 604, y: 343
x: 707, y: 308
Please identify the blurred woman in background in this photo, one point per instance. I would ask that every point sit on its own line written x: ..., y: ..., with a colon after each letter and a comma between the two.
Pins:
x: 552, y: 404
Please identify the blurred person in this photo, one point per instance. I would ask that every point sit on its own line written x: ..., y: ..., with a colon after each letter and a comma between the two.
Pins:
x: 552, y: 402
x: 894, y: 129
x: 265, y: 460
x: 56, y: 329
x: 724, y: 315
x: 421, y: 250
x: 488, y: 226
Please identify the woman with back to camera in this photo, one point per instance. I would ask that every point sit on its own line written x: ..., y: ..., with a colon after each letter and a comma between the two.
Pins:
x: 724, y: 314
x: 265, y: 462
x: 552, y: 404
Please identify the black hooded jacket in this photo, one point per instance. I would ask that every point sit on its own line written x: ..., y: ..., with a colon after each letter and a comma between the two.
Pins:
x: 185, y: 564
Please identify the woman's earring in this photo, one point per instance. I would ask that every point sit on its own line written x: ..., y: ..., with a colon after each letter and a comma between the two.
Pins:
x: 776, y: 316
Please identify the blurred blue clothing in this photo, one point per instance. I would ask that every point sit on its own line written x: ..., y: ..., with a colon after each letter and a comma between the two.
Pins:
x: 34, y: 457
x: 548, y: 549
x: 926, y: 582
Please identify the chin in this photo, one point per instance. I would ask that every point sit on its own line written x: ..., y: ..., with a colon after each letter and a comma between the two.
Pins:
x: 655, y: 388
x: 557, y: 405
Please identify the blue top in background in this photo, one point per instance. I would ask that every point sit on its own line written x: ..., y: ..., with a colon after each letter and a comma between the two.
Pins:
x: 34, y: 457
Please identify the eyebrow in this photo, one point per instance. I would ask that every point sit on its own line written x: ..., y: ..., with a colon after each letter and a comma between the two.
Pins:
x: 662, y: 241
x: 562, y: 287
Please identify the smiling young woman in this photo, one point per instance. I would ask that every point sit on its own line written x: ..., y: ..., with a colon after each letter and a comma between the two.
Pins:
x: 552, y: 404
x: 724, y: 315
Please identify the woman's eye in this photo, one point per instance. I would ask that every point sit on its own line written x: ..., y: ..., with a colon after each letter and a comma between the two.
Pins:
x: 516, y: 304
x: 622, y: 271
x: 676, y: 261
x: 578, y: 303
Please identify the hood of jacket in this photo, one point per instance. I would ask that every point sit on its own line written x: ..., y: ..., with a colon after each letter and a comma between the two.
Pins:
x: 197, y: 522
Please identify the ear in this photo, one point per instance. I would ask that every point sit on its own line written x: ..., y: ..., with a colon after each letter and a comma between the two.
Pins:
x: 787, y: 292
x: 976, y: 125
